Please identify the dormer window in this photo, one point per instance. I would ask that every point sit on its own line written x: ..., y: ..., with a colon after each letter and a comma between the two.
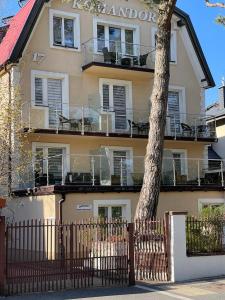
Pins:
x: 65, y: 30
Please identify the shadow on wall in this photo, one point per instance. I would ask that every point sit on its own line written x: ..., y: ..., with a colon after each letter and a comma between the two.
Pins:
x: 30, y: 207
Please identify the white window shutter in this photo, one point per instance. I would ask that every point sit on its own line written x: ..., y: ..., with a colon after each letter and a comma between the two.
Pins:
x: 39, y: 99
x: 54, y: 87
x: 119, y: 101
x: 105, y: 93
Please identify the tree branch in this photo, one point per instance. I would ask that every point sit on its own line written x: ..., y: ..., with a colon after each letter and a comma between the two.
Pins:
x: 217, y: 4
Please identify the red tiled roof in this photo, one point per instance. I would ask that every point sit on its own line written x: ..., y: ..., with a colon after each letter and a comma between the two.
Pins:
x: 13, y: 33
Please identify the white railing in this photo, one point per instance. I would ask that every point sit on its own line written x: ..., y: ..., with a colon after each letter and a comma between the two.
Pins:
x: 118, y: 53
x: 95, y: 119
x: 99, y: 170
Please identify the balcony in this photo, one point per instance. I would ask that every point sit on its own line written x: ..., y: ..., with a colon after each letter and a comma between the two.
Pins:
x: 128, y: 123
x: 101, y: 170
x: 100, y: 53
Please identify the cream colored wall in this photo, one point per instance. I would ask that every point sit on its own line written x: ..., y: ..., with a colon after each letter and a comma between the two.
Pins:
x: 47, y: 207
x: 84, y: 144
x: 84, y: 84
x: 219, y: 147
x: 168, y: 201
x: 33, y: 207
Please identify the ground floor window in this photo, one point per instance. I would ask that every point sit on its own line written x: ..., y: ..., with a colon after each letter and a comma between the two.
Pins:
x: 206, y: 204
x: 112, y: 209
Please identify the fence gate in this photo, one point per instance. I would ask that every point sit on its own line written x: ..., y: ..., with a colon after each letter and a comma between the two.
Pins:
x: 151, y: 250
x: 49, y: 256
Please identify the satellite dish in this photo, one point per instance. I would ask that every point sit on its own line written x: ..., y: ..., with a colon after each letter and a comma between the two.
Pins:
x: 22, y: 2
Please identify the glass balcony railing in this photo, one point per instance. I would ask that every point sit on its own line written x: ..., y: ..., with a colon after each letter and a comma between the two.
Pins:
x: 117, y: 170
x: 108, y: 121
x: 117, y: 53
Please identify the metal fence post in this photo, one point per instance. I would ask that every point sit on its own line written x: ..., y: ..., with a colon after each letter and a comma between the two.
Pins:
x: 131, y: 254
x: 2, y: 257
x: 71, y: 250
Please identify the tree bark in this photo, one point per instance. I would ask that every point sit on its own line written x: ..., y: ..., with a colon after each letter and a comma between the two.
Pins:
x: 149, y: 196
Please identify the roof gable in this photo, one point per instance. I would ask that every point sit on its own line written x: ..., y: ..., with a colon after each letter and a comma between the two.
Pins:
x: 21, y: 26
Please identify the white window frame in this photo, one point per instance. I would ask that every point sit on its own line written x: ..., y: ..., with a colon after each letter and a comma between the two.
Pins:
x: 122, y: 26
x: 209, y: 201
x: 129, y: 97
x: 65, y: 92
x: 109, y: 153
x: 125, y: 203
x: 46, y: 146
x: 173, y: 44
x: 76, y: 30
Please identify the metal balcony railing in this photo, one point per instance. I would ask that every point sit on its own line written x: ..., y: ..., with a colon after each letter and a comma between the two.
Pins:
x: 118, y: 53
x: 103, y: 170
x: 94, y: 119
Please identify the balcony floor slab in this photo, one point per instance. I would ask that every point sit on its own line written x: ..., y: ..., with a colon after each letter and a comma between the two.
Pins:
x: 65, y: 189
x: 119, y: 135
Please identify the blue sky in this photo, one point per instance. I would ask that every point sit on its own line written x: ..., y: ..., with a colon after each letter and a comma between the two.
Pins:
x: 211, y: 35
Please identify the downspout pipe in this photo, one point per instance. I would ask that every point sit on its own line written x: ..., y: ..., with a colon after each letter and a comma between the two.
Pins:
x: 61, y: 201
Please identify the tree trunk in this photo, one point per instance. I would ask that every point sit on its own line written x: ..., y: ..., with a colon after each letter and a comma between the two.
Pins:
x: 149, y: 196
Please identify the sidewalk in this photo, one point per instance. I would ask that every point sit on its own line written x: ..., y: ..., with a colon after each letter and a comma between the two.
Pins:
x: 208, y: 289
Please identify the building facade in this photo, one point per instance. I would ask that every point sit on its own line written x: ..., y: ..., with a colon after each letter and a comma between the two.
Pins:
x: 86, y: 81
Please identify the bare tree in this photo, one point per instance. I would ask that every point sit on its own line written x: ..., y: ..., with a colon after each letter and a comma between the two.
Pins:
x: 15, y: 156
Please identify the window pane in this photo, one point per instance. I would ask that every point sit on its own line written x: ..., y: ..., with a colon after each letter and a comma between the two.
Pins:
x: 129, y: 40
x: 120, y: 167
x: 103, y: 212
x: 177, y: 161
x: 115, y: 39
x: 38, y: 91
x: 174, y: 111
x: 101, y: 37
x: 54, y: 88
x: 105, y: 89
x: 57, y: 30
x: 55, y: 161
x: 69, y: 32
x: 117, y: 212
x: 39, y: 162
